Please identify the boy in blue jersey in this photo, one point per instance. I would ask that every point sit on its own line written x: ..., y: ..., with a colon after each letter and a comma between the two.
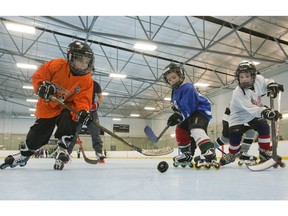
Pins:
x: 192, y: 113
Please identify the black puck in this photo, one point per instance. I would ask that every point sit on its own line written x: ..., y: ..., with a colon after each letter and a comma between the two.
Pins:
x: 163, y: 166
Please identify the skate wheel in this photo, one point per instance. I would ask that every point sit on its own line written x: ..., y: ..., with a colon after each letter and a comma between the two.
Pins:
x: 175, y: 165
x: 197, y: 166
x: 183, y: 166
x: 59, y: 165
x: 191, y: 165
x: 240, y: 163
x: 282, y: 165
x: 216, y: 166
x: 207, y: 166
x: 163, y: 166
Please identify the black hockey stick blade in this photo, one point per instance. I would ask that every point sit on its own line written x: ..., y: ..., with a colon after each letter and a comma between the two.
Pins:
x: 153, y: 152
x: 151, y: 135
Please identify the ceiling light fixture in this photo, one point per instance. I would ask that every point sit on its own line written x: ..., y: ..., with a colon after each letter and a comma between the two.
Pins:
x: 201, y: 84
x: 20, y: 28
x: 32, y: 109
x: 167, y: 99
x: 117, y: 75
x: 134, y: 115
x: 105, y: 93
x: 149, y: 108
x: 32, y: 100
x: 27, y: 66
x: 144, y: 46
x: 116, y: 119
x: 28, y: 87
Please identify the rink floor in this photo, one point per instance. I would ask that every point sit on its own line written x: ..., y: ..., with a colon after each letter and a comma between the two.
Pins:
x: 139, y: 179
x: 130, y: 186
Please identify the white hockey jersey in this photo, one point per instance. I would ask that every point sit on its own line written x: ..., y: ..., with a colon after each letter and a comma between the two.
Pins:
x: 246, y: 104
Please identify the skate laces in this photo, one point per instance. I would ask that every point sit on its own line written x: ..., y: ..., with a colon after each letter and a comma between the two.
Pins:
x: 19, y: 159
x: 185, y: 156
x: 229, y: 157
x: 245, y: 156
x: 266, y: 152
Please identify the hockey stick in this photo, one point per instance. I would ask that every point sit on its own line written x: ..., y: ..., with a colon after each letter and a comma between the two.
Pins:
x: 272, y: 161
x: 154, y: 152
x: 87, y: 160
x: 151, y: 135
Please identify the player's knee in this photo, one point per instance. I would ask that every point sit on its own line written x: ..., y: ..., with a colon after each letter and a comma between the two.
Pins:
x: 182, y: 136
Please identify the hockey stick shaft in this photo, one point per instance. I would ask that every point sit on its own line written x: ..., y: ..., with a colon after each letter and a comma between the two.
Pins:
x: 156, y: 152
x: 273, y: 161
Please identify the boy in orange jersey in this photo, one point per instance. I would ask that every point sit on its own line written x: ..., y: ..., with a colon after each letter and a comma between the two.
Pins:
x: 69, y: 80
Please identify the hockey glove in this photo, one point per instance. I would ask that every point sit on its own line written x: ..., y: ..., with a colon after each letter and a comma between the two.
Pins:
x: 94, y: 106
x: 175, y: 119
x: 46, y: 89
x: 273, y: 89
x: 84, y: 117
x: 271, y: 114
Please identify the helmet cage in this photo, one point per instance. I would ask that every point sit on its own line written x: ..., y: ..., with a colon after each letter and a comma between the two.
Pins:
x: 79, y: 50
x: 246, y: 67
x: 173, y: 68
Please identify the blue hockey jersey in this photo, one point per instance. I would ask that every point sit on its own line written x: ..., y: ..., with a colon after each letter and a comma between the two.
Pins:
x: 188, y: 100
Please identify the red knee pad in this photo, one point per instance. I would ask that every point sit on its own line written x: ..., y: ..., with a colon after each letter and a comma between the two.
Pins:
x: 182, y: 136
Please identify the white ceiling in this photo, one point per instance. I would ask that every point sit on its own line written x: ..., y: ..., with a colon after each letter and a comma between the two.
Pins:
x: 209, y: 47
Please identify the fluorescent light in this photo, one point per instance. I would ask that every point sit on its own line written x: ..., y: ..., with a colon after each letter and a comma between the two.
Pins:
x: 32, y: 114
x: 172, y: 135
x: 116, y: 119
x: 134, y: 115
x: 149, y: 108
x: 143, y: 46
x: 20, y: 28
x: 28, y: 66
x: 31, y: 100
x: 201, y: 84
x: 27, y: 87
x: 118, y: 75
x: 167, y: 99
x: 105, y: 93
x: 32, y: 109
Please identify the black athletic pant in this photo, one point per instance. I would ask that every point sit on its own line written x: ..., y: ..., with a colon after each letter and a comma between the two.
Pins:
x: 40, y: 133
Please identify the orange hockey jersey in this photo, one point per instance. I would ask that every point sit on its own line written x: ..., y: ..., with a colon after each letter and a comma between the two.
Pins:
x: 75, y: 91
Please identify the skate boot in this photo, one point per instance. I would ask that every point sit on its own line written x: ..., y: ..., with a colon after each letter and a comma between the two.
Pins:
x: 14, y: 160
x: 265, y: 155
x: 183, y: 160
x: 227, y: 159
x: 207, y: 160
x: 247, y: 159
x: 61, y: 155
x: 100, y: 157
x: 20, y: 158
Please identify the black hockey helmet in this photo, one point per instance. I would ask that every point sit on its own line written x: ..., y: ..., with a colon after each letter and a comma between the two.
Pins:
x: 246, y: 67
x: 176, y: 69
x: 79, y: 49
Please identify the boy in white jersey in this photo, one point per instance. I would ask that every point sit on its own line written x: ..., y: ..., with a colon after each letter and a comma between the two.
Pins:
x: 246, y: 107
